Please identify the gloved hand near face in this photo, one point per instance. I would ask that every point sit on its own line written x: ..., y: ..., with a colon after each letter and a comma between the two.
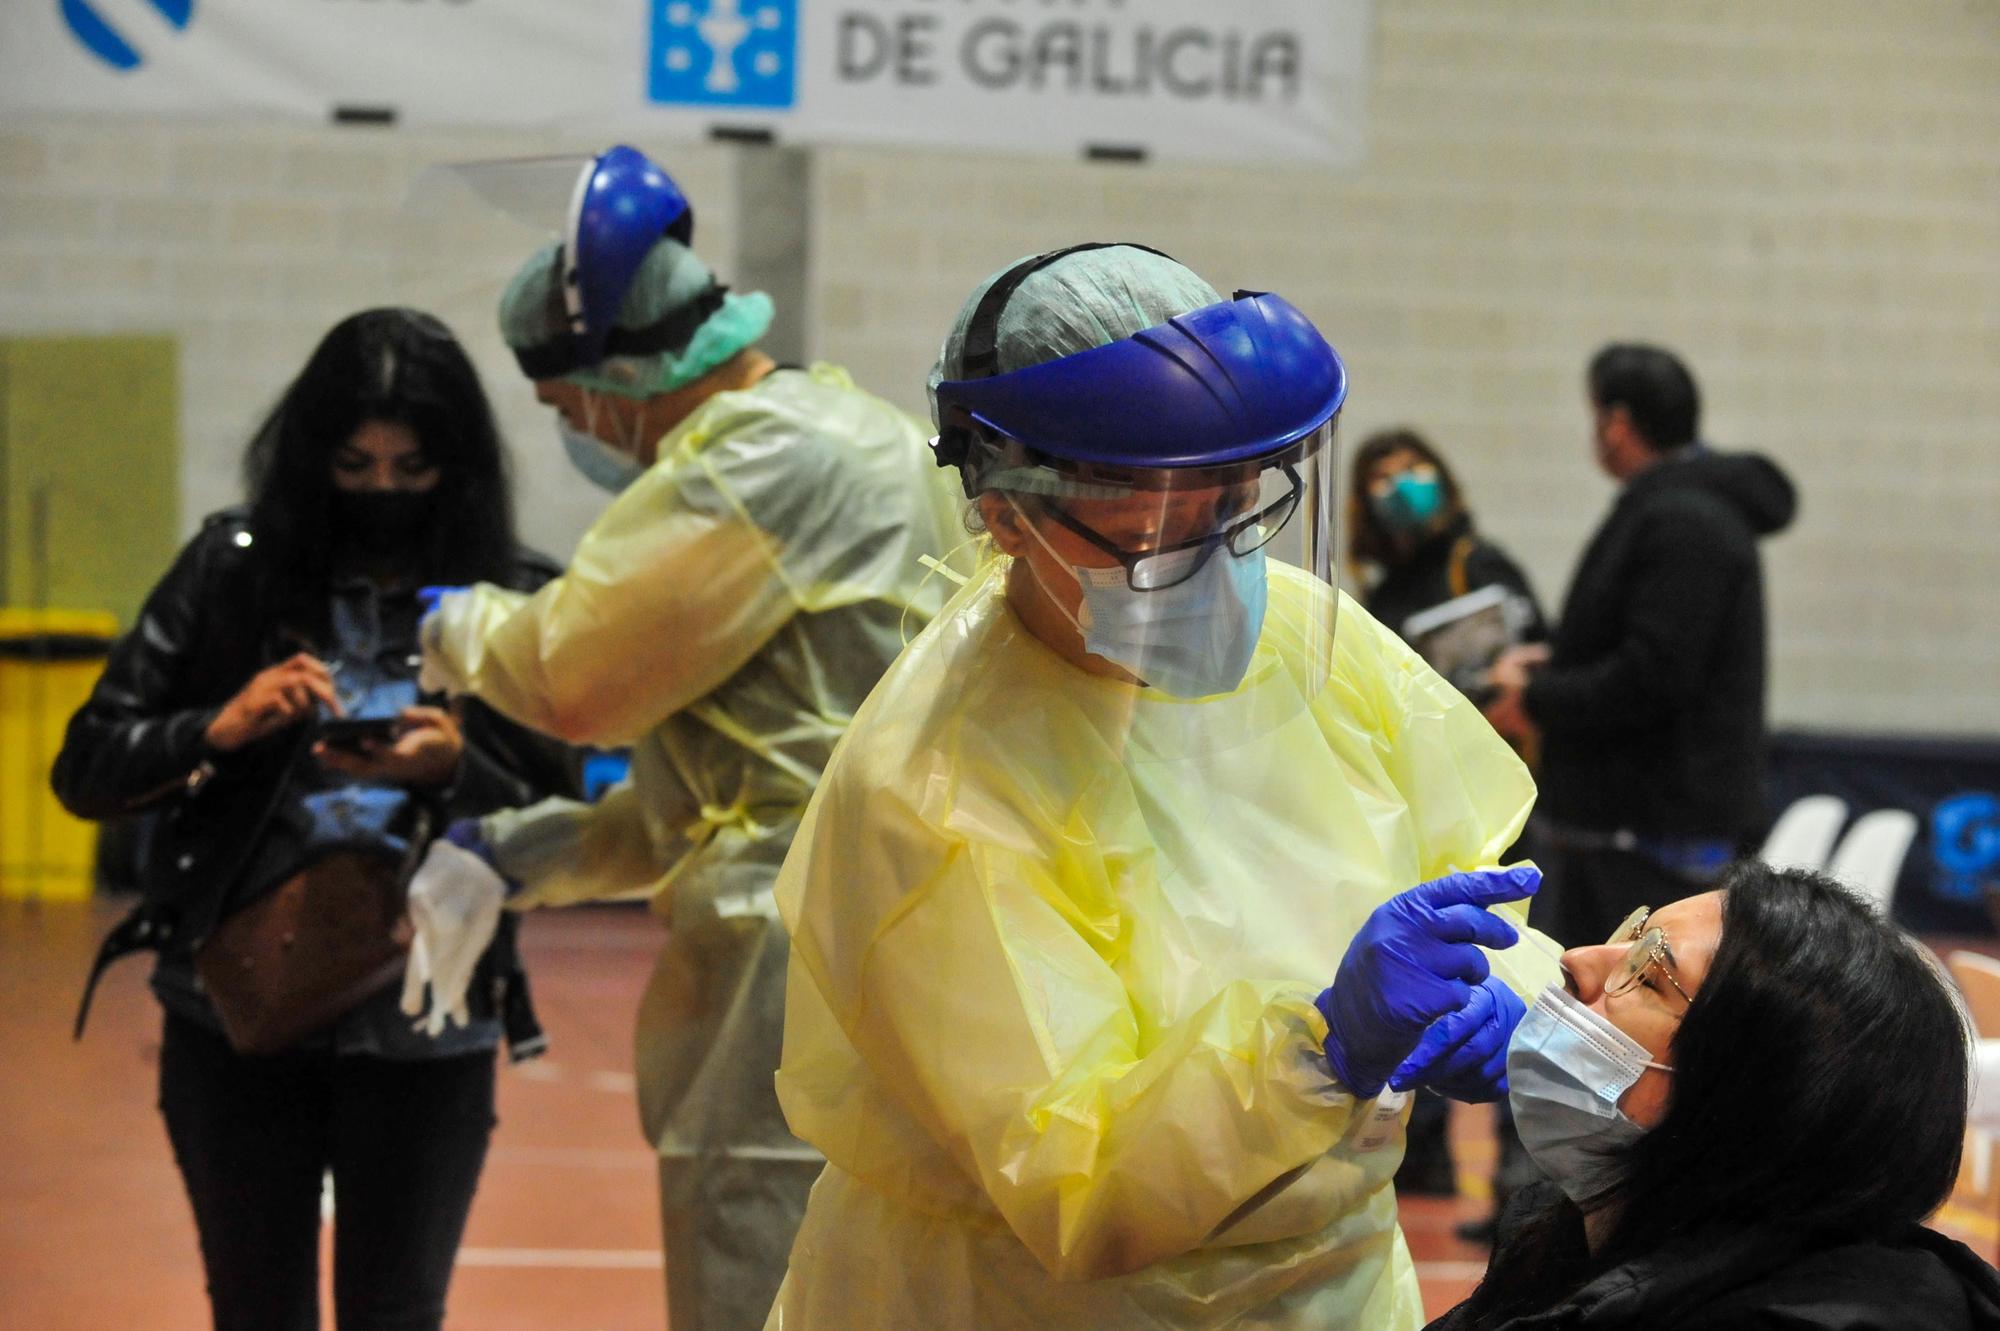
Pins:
x: 1416, y: 960
x: 1463, y: 1056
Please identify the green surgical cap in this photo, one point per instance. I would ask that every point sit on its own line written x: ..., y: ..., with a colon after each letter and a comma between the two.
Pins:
x: 672, y: 278
x: 1089, y: 299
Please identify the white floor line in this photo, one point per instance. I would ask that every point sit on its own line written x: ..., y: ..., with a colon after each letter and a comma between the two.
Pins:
x: 576, y: 1259
x: 1450, y: 1270
x: 622, y: 1083
x: 538, y: 1069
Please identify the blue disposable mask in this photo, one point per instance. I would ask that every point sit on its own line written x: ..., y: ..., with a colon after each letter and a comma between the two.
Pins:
x: 601, y: 464
x: 1190, y: 640
x: 1410, y: 502
x: 1567, y: 1068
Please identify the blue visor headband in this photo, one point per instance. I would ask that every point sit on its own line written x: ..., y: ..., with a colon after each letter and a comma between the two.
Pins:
x: 622, y: 206
x: 1230, y: 382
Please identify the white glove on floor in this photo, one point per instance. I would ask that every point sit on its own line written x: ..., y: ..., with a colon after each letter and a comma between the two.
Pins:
x: 455, y: 908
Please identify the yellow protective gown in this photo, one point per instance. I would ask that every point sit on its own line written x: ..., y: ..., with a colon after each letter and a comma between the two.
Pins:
x: 725, y: 617
x: 1055, y: 948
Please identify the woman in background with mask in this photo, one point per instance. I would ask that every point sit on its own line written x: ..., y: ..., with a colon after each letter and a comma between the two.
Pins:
x: 379, y: 471
x: 1411, y: 542
x: 1127, y: 912
x: 1747, y: 1102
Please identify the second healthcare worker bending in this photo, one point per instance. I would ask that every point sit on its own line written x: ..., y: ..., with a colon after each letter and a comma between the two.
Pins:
x: 724, y: 617
x: 1137, y: 896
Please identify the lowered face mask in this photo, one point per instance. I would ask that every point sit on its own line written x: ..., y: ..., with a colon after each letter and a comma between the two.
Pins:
x: 1190, y: 640
x: 602, y: 465
x: 1567, y: 1067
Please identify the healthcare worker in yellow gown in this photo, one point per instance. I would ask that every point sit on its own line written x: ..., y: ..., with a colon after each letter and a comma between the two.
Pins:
x: 760, y: 566
x: 1154, y: 874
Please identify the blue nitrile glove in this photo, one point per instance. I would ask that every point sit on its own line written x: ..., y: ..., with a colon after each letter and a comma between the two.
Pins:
x: 469, y: 836
x: 428, y: 598
x: 1463, y: 1056
x: 1414, y: 961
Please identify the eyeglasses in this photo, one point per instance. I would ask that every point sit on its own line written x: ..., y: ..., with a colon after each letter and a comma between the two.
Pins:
x: 1649, y: 951
x: 1168, y: 566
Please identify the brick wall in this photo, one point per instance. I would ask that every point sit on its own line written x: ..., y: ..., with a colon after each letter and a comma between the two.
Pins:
x: 1802, y: 196
x: 249, y: 243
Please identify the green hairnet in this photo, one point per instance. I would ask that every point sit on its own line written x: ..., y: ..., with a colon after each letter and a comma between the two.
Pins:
x: 1089, y: 299
x: 670, y: 278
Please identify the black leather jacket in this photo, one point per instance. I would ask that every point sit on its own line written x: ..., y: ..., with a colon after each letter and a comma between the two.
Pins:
x: 136, y: 746
x: 1652, y: 707
x: 1917, y: 1280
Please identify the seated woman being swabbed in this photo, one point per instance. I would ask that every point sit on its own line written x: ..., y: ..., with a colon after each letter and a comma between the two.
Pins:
x: 1747, y: 1102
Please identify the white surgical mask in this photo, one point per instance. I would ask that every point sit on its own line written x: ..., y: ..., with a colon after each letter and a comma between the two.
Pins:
x: 1567, y: 1068
x: 601, y: 464
x: 1190, y: 640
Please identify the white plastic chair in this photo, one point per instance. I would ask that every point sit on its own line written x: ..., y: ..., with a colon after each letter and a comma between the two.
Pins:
x: 1871, y: 854
x: 1804, y: 834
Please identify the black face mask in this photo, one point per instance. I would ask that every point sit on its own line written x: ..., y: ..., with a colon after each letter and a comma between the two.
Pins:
x: 385, y: 519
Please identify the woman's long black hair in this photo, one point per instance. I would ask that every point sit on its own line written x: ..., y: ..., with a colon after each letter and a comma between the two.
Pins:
x: 1819, y: 1089
x: 398, y: 366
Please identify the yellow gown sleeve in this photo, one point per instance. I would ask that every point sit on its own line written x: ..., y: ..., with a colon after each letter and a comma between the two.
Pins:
x: 670, y: 592
x: 562, y: 851
x: 1000, y: 1018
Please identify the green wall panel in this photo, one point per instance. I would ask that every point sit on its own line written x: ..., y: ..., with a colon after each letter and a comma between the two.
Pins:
x: 89, y: 470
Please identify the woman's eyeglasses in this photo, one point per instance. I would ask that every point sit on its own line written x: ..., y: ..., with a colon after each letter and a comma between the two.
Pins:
x: 1649, y: 951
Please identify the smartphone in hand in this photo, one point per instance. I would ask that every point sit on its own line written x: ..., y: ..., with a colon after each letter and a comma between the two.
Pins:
x: 356, y: 734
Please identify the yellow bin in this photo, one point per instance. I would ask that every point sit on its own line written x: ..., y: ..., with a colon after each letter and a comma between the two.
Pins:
x: 49, y: 660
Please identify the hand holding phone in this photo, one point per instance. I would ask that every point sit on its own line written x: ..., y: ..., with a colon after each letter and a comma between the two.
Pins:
x: 422, y: 747
x: 359, y: 734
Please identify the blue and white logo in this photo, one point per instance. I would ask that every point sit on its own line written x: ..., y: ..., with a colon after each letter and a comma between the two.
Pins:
x: 1965, y: 843
x: 725, y: 52
x: 107, y: 43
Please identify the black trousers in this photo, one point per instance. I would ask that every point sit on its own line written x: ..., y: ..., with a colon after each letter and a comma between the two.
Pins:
x: 253, y: 1136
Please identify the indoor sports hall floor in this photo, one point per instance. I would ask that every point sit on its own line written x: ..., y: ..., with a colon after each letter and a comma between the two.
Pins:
x: 95, y: 1233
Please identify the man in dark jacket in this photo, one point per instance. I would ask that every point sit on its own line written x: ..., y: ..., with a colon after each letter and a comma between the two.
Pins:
x: 1650, y: 699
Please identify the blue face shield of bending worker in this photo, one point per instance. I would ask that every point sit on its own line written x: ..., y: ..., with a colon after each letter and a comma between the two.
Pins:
x: 1065, y: 908
x: 1151, y: 470
x: 623, y: 311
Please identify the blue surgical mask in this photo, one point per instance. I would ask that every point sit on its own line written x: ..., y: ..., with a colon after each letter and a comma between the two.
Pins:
x: 601, y: 464
x: 1410, y: 503
x: 1567, y: 1068
x: 1190, y: 640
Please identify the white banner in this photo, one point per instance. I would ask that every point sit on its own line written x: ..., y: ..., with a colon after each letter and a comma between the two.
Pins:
x: 1282, y: 79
